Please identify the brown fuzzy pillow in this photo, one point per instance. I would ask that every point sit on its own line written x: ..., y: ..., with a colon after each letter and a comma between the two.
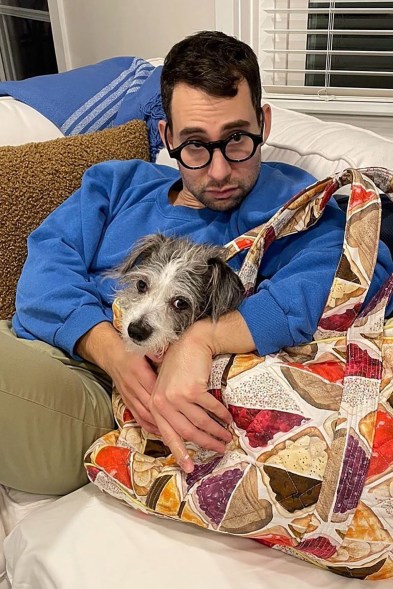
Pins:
x: 37, y: 177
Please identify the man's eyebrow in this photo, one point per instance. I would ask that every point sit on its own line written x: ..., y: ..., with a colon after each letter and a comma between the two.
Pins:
x: 240, y: 123
x: 190, y: 131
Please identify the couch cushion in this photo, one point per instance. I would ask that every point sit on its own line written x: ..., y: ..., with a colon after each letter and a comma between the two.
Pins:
x: 37, y: 177
x: 323, y: 148
x: 87, y: 540
x: 21, y: 123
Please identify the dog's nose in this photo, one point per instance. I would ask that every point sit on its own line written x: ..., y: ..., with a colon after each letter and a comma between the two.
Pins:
x: 139, y: 332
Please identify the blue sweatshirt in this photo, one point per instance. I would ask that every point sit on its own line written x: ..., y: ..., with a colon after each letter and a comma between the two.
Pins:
x: 61, y: 293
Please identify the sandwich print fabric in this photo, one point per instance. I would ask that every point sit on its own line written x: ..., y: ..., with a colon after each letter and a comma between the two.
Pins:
x: 309, y: 470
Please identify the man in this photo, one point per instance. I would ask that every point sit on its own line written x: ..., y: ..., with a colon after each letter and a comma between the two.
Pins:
x: 56, y: 378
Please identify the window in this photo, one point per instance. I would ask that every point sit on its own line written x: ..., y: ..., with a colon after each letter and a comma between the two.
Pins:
x: 329, y: 51
x: 366, y: 47
x: 26, y: 44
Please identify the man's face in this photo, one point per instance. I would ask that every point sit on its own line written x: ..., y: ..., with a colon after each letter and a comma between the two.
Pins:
x: 221, y: 185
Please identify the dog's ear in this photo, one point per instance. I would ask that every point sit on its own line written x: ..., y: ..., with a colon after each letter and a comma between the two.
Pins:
x: 225, y: 289
x: 142, y: 250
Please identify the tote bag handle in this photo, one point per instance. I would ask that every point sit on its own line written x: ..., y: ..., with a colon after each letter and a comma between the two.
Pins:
x: 356, y: 266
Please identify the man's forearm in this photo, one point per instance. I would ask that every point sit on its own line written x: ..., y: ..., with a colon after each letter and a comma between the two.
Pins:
x: 228, y: 335
x: 99, y: 344
x: 130, y: 372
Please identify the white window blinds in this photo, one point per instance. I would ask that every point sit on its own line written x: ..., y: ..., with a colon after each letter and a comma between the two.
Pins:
x: 330, y: 51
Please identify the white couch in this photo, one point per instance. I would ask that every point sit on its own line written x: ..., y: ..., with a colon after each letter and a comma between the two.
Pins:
x: 89, y: 541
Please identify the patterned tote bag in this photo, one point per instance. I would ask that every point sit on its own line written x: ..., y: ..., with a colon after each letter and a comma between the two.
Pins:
x: 309, y: 470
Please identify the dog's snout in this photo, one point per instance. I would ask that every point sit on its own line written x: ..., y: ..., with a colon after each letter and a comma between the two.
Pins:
x: 139, y: 331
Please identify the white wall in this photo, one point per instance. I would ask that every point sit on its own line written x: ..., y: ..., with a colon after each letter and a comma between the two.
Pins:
x: 86, y: 31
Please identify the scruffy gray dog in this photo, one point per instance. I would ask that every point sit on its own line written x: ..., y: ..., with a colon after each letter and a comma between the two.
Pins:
x: 165, y: 284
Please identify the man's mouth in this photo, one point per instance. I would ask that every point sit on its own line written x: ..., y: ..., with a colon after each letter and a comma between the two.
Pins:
x: 222, y: 193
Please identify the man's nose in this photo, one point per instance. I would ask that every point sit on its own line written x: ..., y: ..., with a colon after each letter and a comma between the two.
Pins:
x: 219, y: 168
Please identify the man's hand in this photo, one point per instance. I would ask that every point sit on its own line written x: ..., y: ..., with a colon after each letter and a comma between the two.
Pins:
x: 180, y: 403
x: 131, y: 373
x: 134, y: 378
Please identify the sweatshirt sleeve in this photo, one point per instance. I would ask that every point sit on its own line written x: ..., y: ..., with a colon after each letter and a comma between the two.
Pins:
x: 57, y: 301
x: 297, y: 275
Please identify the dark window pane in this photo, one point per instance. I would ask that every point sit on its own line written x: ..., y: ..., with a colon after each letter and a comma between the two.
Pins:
x: 31, y: 4
x: 29, y: 50
x: 365, y: 43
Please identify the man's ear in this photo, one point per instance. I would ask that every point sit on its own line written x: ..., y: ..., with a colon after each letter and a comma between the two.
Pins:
x: 161, y: 130
x: 267, y: 117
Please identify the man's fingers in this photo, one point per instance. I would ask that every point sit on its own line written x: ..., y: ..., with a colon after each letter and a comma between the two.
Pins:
x: 198, y: 417
x: 186, y: 430
x: 150, y: 428
x: 147, y: 377
x: 137, y: 393
x: 176, y: 445
x: 143, y: 417
x: 140, y: 395
x: 211, y: 404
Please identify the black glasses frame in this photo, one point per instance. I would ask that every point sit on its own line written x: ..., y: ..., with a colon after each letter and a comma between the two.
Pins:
x: 210, y: 146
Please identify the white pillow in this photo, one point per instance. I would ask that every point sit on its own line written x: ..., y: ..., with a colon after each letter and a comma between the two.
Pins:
x: 14, y: 506
x: 318, y: 147
x: 323, y: 148
x: 87, y: 540
x: 20, y: 123
x: 156, y: 61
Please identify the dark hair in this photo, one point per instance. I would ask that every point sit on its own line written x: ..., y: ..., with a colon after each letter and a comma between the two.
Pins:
x: 214, y: 62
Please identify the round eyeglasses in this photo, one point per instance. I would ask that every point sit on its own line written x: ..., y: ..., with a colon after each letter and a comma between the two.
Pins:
x: 194, y: 154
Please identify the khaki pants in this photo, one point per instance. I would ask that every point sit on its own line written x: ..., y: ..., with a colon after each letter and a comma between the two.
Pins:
x: 51, y: 409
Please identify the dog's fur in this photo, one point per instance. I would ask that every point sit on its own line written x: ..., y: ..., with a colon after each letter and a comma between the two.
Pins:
x: 168, y: 283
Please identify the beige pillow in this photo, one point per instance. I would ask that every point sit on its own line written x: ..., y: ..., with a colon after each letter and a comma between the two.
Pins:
x: 37, y: 177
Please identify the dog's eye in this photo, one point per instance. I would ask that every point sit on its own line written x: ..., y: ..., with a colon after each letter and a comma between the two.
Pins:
x: 180, y: 304
x: 141, y: 286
